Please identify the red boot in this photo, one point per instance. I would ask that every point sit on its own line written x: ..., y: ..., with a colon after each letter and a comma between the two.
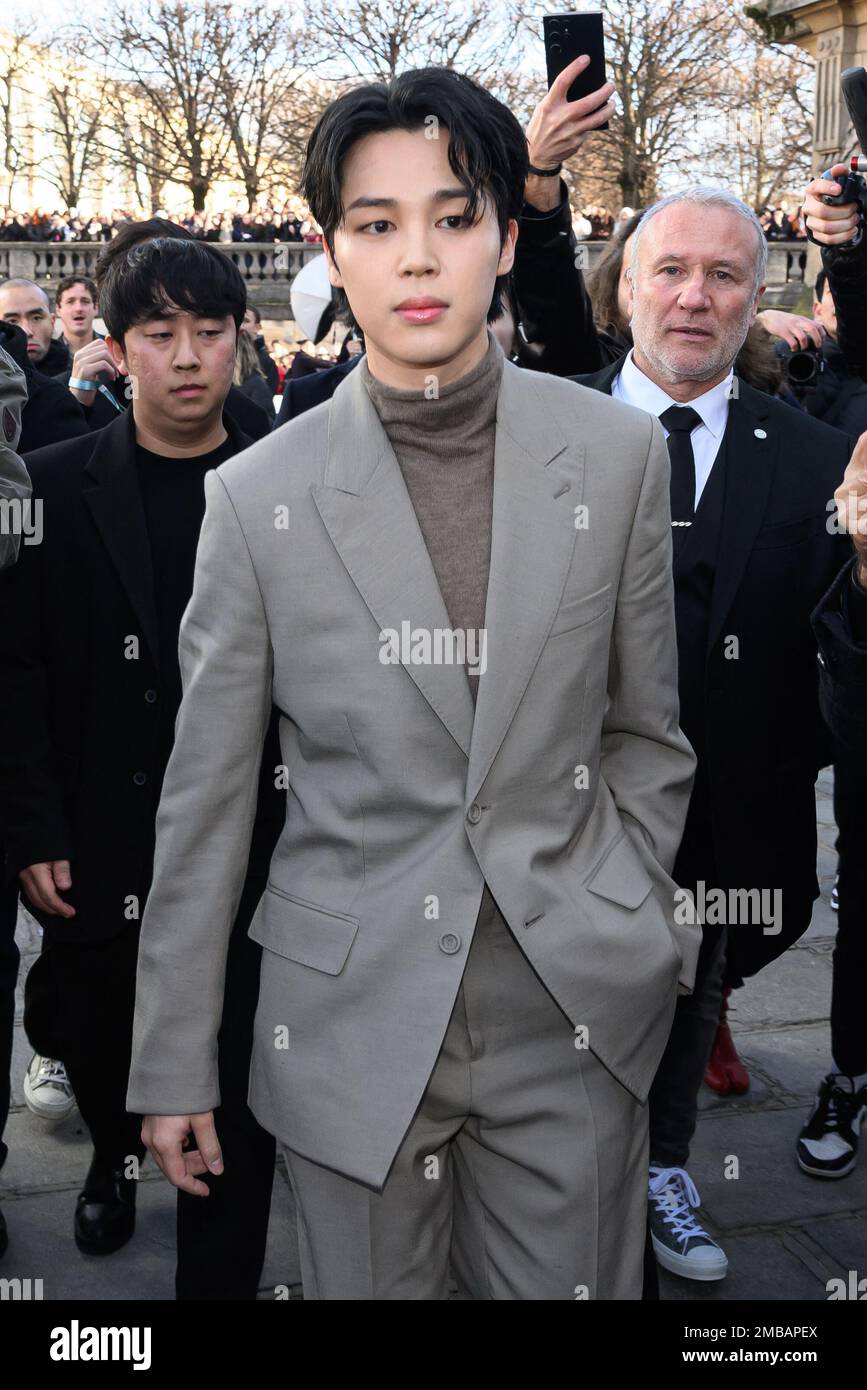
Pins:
x: 725, y: 1073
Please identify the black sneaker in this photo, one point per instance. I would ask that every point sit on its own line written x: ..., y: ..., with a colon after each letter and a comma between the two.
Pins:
x: 828, y: 1143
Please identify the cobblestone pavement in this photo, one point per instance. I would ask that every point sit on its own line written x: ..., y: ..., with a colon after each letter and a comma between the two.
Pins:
x: 785, y: 1234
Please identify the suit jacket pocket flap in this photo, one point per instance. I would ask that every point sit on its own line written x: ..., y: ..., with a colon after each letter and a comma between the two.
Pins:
x: 303, y: 932
x: 621, y: 876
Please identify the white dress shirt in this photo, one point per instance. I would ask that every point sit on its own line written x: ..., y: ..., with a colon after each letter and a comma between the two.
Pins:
x: 632, y: 386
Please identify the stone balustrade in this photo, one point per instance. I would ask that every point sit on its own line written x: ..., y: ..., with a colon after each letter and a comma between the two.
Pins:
x: 267, y: 267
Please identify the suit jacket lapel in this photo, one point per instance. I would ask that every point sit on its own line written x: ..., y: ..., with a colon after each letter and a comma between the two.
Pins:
x: 116, y: 506
x: 368, y: 514
x: 532, y: 541
x: 752, y: 445
x: 601, y: 380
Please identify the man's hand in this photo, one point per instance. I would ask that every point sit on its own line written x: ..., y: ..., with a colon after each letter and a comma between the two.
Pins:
x: 851, y: 499
x: 166, y: 1136
x: 830, y: 225
x: 41, y: 882
x: 558, y: 128
x: 798, y: 331
x: 87, y: 363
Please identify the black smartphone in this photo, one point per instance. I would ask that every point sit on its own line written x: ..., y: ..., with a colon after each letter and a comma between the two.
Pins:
x: 567, y: 36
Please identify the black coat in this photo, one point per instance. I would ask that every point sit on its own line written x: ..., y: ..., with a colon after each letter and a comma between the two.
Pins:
x: 51, y: 412
x: 841, y: 631
x: 81, y: 778
x: 847, y: 276
x: 765, y: 737
x: 57, y: 359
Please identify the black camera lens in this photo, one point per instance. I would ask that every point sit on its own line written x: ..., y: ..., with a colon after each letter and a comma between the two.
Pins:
x: 802, y: 367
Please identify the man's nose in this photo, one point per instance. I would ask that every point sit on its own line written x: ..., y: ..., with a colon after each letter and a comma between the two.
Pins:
x: 417, y: 254
x: 186, y: 352
x: 693, y: 295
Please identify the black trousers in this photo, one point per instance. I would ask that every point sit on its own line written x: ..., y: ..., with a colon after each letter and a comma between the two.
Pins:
x: 79, y: 1008
x: 221, y: 1238
x: 8, y: 981
x: 849, y: 979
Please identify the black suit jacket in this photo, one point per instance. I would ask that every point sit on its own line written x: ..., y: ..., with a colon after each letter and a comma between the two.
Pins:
x: 843, y: 669
x: 80, y: 687
x: 765, y: 737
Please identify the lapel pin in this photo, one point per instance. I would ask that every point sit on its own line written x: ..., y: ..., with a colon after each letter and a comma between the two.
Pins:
x: 760, y: 434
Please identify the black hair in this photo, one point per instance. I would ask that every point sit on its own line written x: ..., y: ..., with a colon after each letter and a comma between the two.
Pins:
x: 487, y: 147
x: 133, y: 234
x: 821, y: 281
x: 167, y: 271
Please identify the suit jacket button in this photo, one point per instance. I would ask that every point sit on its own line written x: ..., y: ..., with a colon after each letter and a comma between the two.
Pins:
x: 474, y: 814
x: 139, y: 778
x: 150, y: 696
x: 450, y: 943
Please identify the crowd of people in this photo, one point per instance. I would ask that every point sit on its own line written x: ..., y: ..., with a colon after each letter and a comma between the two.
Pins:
x: 458, y: 934
x: 264, y: 223
x: 295, y: 223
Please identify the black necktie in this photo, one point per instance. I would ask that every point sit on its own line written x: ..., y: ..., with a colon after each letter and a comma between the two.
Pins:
x: 680, y: 421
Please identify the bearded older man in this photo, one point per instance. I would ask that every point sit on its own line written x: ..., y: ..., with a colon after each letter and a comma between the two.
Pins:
x: 755, y: 548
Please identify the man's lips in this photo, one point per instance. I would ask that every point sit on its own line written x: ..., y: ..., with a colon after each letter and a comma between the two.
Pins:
x: 690, y: 332
x: 421, y: 310
x: 190, y: 390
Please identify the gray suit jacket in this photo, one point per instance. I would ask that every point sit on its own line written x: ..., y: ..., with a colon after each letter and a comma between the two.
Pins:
x: 15, y: 487
x: 401, y: 804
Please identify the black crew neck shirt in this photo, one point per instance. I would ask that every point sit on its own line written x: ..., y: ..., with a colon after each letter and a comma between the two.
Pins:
x: 173, y: 497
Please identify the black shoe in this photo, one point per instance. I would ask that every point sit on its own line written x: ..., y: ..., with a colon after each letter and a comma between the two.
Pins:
x: 828, y: 1143
x: 105, y: 1210
x: 4, y: 1236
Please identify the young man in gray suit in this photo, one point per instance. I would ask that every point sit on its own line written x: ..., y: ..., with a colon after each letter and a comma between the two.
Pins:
x: 454, y: 581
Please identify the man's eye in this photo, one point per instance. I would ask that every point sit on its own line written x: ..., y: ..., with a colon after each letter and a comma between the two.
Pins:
x: 458, y: 217
x: 667, y: 268
x: 723, y: 273
x: 382, y: 222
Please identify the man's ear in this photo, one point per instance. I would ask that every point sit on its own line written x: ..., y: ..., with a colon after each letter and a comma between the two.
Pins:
x: 333, y: 273
x: 117, y: 354
x: 759, y: 292
x: 507, y: 254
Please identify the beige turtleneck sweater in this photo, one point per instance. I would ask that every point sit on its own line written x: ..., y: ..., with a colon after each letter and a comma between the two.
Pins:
x: 445, y: 447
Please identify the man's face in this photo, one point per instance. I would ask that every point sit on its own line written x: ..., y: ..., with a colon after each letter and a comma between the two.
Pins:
x: 77, y: 310
x: 693, y: 294
x: 181, y: 366
x: 27, y: 305
x: 825, y: 310
x: 419, y: 278
x: 250, y: 325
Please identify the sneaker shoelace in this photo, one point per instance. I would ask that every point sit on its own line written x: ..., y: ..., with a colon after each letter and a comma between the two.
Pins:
x: 53, y: 1072
x: 837, y: 1107
x: 674, y: 1192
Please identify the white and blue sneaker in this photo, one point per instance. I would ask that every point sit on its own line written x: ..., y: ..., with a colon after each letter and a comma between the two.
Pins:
x: 679, y: 1243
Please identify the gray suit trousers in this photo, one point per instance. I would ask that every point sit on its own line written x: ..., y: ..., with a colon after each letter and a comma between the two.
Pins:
x: 524, y: 1170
